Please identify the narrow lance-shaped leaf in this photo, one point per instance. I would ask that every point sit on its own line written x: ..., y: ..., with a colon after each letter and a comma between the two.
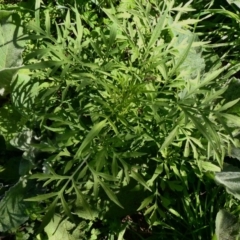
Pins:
x: 235, y: 120
x: 91, y: 135
x: 170, y: 138
x: 79, y: 26
x: 96, y: 181
x: 182, y: 57
x: 228, y: 105
x: 157, y: 30
x: 146, y: 202
x: 48, y: 216
x: 12, y: 208
x: 186, y: 149
x: 42, y: 197
x: 66, y: 207
x: 110, y: 193
x: 207, y: 80
x: 139, y: 179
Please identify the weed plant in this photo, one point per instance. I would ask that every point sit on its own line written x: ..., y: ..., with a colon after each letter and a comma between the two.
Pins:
x: 122, y: 123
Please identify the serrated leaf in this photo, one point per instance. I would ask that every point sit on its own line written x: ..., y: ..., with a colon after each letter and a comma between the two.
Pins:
x: 232, y: 119
x: 40, y: 176
x: 186, y: 149
x: 55, y: 129
x: 236, y: 2
x: 182, y: 57
x: 174, y: 212
x: 157, y: 30
x: 5, y: 14
x: 83, y: 209
x: 48, y: 216
x: 113, y: 34
x: 47, y: 22
x: 13, y: 208
x: 66, y: 207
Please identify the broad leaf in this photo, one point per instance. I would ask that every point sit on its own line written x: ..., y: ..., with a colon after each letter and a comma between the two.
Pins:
x: 13, y: 208
x: 11, y: 48
x: 58, y: 229
x: 229, y: 178
x: 227, y: 226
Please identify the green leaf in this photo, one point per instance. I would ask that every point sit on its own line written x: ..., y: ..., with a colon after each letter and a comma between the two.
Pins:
x: 58, y: 228
x: 48, y: 215
x: 110, y: 193
x: 91, y: 135
x: 47, y: 22
x: 146, y: 202
x: 10, y: 49
x: 199, y: 126
x: 79, y: 26
x: 37, y: 12
x: 208, y: 166
x: 66, y: 207
x: 42, y: 197
x: 227, y: 226
x: 208, y: 79
x: 157, y: 30
x: 13, y: 208
x: 113, y: 34
x: 229, y: 177
x: 170, y: 138
x: 40, y: 176
x: 139, y: 179
x: 228, y: 105
x: 43, y: 64
x: 182, y: 57
x: 186, y: 149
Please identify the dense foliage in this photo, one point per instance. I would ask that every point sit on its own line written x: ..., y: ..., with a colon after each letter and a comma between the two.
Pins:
x: 119, y: 119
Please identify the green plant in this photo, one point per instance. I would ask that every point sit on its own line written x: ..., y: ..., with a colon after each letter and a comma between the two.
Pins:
x: 117, y: 120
